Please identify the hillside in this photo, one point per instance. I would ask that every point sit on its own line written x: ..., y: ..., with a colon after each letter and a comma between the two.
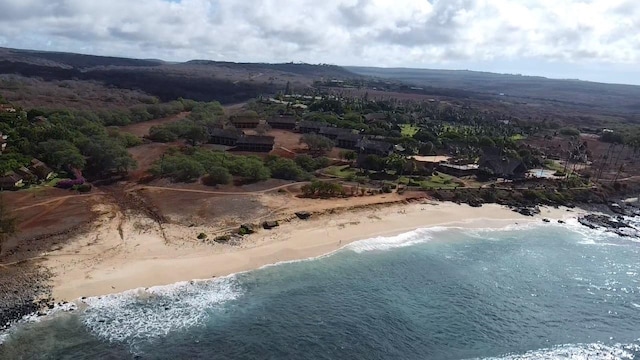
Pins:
x: 611, y: 98
x: 198, y: 79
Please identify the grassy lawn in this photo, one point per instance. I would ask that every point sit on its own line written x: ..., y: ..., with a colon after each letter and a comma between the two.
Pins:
x: 344, y: 171
x: 409, y: 130
x: 553, y: 165
x: 440, y: 181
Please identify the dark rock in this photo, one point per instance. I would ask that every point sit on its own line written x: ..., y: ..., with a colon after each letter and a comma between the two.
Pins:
x: 270, y: 224
x: 303, y: 215
x: 475, y: 203
x: 546, y: 220
x: 560, y: 221
x: 614, y: 225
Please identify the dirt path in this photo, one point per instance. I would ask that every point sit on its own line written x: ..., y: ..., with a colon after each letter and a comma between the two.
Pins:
x: 59, y: 199
x: 141, y: 129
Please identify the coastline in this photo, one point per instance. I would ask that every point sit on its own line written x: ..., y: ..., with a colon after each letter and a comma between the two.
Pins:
x: 130, y: 251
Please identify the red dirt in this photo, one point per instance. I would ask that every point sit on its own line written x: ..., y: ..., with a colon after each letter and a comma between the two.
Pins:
x: 142, y: 129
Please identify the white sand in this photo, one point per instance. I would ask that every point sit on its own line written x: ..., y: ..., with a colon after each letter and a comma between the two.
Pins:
x: 102, y: 262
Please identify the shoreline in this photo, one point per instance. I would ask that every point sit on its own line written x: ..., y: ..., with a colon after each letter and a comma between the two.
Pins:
x: 130, y: 252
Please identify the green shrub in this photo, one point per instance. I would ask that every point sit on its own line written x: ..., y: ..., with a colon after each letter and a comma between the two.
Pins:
x: 217, y: 176
x: 202, y: 236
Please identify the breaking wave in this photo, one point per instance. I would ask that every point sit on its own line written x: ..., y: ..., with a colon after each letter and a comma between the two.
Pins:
x: 579, y: 352
x: 143, y: 314
x: 383, y: 243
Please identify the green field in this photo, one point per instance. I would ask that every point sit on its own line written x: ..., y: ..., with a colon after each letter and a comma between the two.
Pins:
x: 409, y: 130
x: 440, y: 181
x: 344, y: 171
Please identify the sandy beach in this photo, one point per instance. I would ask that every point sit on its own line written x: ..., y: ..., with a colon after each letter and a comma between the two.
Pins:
x: 129, y: 251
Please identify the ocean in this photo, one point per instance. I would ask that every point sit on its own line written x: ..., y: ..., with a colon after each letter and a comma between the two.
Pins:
x: 543, y: 291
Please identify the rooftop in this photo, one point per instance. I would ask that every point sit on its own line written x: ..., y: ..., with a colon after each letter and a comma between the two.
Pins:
x: 256, y: 139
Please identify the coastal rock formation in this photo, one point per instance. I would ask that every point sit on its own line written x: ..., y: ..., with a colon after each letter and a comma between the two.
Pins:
x: 527, y: 211
x: 615, y: 225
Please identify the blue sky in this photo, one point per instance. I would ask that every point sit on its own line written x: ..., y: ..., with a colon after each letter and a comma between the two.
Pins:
x: 596, y: 40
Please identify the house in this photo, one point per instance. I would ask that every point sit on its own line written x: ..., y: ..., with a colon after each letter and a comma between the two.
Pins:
x: 503, y: 167
x: 286, y: 122
x: 26, y: 174
x: 3, y: 142
x: 458, y: 170
x: 375, y: 117
x: 244, y: 122
x: 7, y: 108
x: 40, y: 169
x: 227, y: 137
x: 11, y: 181
x: 372, y: 147
x: 349, y: 141
x: 333, y: 132
x: 308, y: 127
x: 255, y: 143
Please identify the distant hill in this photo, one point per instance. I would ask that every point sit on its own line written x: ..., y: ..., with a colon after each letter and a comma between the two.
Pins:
x: 203, y: 80
x: 610, y: 97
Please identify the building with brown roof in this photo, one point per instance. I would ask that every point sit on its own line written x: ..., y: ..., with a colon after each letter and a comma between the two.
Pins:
x: 286, y: 122
x: 255, y: 143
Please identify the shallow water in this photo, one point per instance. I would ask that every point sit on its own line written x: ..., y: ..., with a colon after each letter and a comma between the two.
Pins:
x: 535, y: 292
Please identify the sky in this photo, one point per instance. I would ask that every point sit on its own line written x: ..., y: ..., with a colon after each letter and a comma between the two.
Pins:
x: 596, y: 40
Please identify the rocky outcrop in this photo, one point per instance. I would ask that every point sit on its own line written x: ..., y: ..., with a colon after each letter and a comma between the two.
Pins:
x: 616, y: 225
x: 268, y: 225
x: 303, y: 215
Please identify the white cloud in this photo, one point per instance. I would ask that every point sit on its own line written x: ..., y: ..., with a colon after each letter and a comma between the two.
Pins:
x: 418, y: 33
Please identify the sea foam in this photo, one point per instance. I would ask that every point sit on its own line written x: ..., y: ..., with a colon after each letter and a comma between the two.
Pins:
x: 143, y: 314
x: 383, y: 243
x: 579, y: 352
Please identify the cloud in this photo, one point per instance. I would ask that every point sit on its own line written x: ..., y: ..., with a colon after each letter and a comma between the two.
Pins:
x: 434, y: 33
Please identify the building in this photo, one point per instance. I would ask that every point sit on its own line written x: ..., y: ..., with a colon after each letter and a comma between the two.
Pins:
x: 458, y: 170
x: 41, y: 170
x: 375, y: 117
x: 286, y: 122
x: 255, y: 143
x: 228, y: 137
x: 11, y: 181
x: 372, y: 147
x: 503, y: 167
x: 349, y: 141
x: 27, y: 175
x: 308, y: 127
x: 332, y: 133
x: 7, y: 108
x: 244, y: 122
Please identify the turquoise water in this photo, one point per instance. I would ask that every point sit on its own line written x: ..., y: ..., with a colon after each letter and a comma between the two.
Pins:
x: 538, y: 292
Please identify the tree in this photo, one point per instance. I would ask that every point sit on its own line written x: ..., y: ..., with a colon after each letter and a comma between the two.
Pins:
x: 426, y: 148
x: 8, y: 224
x: 262, y: 129
x: 285, y: 169
x: 217, y: 176
x: 396, y: 163
x: 348, y: 155
x: 196, y: 134
x: 60, y: 154
x: 317, y: 144
x: 161, y: 134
